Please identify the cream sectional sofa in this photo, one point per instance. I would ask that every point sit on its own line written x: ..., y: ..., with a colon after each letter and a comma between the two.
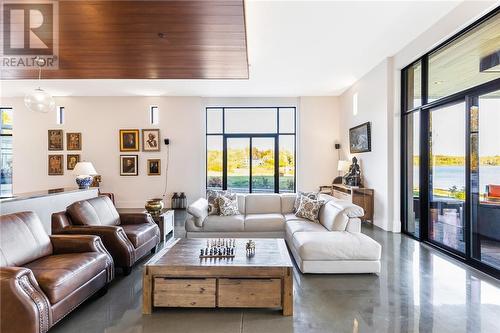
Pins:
x: 334, y: 245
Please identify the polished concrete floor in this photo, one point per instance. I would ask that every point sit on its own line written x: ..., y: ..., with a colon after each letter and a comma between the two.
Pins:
x: 419, y: 290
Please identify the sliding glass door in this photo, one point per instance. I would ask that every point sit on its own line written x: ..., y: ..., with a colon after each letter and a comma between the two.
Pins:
x: 485, y: 178
x: 447, y: 194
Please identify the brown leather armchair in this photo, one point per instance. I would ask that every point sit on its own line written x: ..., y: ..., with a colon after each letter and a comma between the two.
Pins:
x: 128, y: 236
x: 42, y: 277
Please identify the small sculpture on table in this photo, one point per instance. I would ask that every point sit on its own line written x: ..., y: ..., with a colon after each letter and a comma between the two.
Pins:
x: 250, y: 248
x: 219, y: 248
x: 353, y: 176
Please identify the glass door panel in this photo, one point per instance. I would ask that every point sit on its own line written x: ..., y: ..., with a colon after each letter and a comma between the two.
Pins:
x: 412, y: 179
x: 485, y: 178
x: 238, y: 164
x: 263, y: 165
x: 447, y: 170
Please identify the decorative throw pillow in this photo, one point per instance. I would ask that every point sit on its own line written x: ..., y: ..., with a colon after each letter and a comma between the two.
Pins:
x: 310, y: 195
x: 309, y: 209
x: 213, y: 204
x: 228, y: 205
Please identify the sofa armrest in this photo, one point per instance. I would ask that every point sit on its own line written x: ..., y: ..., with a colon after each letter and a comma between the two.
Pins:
x: 192, y: 224
x: 114, y: 238
x: 59, y: 221
x: 199, y: 209
x: 348, y: 208
x: 135, y: 218
x: 23, y: 305
x: 353, y: 225
x: 82, y: 243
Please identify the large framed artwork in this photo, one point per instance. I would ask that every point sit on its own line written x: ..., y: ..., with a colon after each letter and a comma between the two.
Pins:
x: 129, y: 140
x: 129, y: 165
x: 56, y: 141
x: 360, y: 140
x: 150, y: 140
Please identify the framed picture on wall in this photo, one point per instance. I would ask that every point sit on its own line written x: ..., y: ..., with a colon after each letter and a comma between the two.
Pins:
x: 74, y: 141
x: 154, y: 167
x: 56, y: 165
x: 150, y: 140
x: 129, y: 165
x: 360, y: 140
x: 56, y: 141
x: 71, y: 160
x: 129, y: 140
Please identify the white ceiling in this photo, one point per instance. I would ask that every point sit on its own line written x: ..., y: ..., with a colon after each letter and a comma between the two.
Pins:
x: 295, y: 48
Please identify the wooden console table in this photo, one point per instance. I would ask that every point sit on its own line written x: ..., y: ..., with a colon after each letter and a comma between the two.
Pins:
x: 363, y: 197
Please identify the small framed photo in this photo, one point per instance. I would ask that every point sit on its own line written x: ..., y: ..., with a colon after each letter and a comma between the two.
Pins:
x: 56, y: 139
x: 73, y: 141
x: 56, y: 165
x: 71, y: 160
x: 150, y: 140
x: 129, y: 165
x: 154, y: 167
x: 129, y: 140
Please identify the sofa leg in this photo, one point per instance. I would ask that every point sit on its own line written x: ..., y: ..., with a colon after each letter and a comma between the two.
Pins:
x: 103, y: 291
x: 127, y: 270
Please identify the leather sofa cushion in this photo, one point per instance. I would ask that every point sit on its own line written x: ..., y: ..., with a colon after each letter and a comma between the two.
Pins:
x: 303, y: 225
x: 95, y: 211
x: 264, y: 222
x: 287, y: 203
x: 139, y: 234
x: 59, y: 275
x: 224, y: 223
x: 262, y: 203
x: 340, y: 245
x: 22, y: 239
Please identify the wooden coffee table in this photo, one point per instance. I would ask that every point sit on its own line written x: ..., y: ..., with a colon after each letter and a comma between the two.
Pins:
x: 177, y: 277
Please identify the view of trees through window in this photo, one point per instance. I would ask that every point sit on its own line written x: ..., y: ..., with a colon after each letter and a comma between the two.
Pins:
x: 251, y: 149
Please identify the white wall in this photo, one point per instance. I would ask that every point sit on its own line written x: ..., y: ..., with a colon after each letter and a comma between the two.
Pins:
x: 99, y: 119
x: 182, y: 119
x: 318, y: 131
x: 373, y: 107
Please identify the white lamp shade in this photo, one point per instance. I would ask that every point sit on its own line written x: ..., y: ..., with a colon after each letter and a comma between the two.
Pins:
x: 84, y: 168
x: 343, y: 166
x: 39, y: 100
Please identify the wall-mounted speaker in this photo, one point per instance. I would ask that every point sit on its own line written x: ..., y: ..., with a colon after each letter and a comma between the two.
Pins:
x: 337, y: 146
x: 166, y: 141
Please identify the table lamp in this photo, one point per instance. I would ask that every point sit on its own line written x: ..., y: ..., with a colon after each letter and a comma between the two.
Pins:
x: 342, y: 167
x: 84, y: 172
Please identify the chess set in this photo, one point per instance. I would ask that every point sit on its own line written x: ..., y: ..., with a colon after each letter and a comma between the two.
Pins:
x: 219, y: 248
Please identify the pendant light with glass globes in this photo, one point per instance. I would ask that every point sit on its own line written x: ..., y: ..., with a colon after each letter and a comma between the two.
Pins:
x: 39, y: 100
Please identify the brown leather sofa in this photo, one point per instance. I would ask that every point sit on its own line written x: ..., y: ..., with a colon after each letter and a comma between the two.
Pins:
x: 42, y: 277
x: 128, y: 237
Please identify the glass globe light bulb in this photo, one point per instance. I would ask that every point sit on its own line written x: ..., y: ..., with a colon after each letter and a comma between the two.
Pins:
x: 39, y: 101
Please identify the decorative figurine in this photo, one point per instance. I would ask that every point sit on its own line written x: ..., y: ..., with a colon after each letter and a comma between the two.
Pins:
x: 353, y: 176
x: 250, y: 248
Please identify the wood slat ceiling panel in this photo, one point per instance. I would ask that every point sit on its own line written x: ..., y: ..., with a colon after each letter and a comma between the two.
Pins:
x: 119, y: 40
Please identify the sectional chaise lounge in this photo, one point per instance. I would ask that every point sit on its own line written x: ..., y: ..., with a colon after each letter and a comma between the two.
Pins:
x: 334, y: 245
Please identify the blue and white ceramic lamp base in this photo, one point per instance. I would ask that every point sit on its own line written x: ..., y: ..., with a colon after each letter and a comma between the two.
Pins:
x: 84, y: 181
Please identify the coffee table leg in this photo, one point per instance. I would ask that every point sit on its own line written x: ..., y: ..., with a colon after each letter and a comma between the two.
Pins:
x: 288, y: 293
x: 147, y: 292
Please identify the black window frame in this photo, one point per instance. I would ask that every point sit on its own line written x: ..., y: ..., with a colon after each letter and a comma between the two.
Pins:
x: 275, y: 136
x: 424, y: 110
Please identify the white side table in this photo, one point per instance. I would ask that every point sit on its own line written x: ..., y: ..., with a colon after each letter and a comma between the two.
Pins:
x: 166, y: 224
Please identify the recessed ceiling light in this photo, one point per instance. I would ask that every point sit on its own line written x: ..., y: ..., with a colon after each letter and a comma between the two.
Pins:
x: 438, y: 82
